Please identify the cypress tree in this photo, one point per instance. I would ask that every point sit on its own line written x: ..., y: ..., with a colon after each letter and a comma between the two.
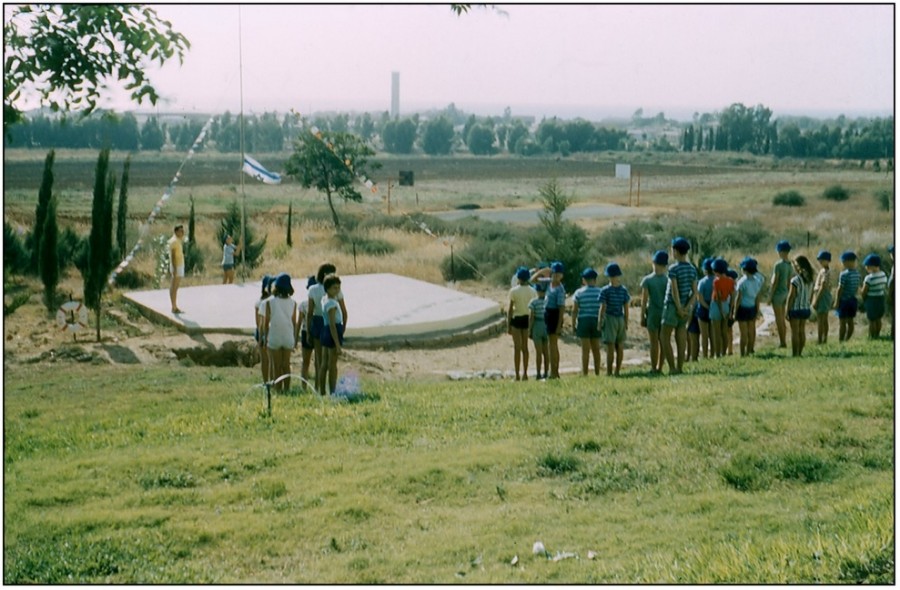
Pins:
x: 100, y: 240
x: 193, y: 258
x: 49, y: 255
x: 251, y: 248
x: 40, y: 212
x: 122, y: 211
x: 290, y: 243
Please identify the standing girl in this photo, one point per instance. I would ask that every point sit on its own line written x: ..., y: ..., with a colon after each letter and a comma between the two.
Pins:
x: 281, y: 325
x: 518, y: 320
x: 704, y: 306
x: 720, y: 310
x: 316, y: 295
x: 228, y: 252
x: 332, y: 335
x: 798, y: 307
x: 746, y: 304
x: 260, y: 313
x: 553, y: 314
x: 821, y: 298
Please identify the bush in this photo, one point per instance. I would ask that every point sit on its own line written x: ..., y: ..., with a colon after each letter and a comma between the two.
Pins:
x: 884, y: 198
x: 633, y: 235
x: 16, y: 259
x: 361, y: 244
x: 459, y: 267
x: 836, y: 192
x: 789, y: 199
x: 558, y: 464
x: 133, y: 279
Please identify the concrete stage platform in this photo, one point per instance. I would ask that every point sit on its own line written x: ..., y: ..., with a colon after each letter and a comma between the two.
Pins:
x: 382, y: 309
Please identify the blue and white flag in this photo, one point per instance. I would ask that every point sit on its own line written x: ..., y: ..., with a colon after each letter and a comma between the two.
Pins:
x: 256, y: 170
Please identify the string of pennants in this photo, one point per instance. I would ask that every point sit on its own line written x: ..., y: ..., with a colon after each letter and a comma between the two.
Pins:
x: 170, y: 190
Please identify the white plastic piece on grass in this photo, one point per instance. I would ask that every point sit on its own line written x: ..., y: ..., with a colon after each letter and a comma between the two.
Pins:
x: 592, y: 555
x: 538, y: 548
x: 564, y: 555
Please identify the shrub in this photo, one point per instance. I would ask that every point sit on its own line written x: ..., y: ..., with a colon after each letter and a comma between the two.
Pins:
x: 459, y: 267
x: 633, y: 235
x: 747, y: 474
x: 361, y: 244
x: 836, y: 192
x: 16, y: 258
x: 789, y: 199
x: 558, y: 464
x: 884, y: 198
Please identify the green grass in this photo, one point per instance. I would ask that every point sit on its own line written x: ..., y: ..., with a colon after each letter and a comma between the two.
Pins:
x: 761, y: 470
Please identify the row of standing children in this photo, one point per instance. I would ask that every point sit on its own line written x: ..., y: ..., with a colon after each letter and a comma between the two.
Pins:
x: 316, y: 324
x: 674, y: 302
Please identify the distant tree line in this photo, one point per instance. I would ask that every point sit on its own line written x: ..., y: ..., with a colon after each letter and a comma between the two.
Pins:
x: 737, y: 128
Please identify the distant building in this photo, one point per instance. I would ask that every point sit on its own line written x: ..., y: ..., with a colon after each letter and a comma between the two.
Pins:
x: 395, y: 94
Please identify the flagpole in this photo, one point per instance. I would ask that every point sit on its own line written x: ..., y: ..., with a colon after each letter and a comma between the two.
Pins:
x: 243, y: 194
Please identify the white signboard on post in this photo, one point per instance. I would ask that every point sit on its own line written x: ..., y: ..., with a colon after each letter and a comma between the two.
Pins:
x: 623, y: 171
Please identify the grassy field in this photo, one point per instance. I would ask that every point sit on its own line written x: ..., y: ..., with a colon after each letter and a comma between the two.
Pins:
x: 760, y: 470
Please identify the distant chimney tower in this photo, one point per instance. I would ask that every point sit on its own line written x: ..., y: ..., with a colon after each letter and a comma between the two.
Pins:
x: 395, y: 94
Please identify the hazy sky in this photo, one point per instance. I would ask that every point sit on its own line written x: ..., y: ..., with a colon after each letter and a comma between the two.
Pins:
x: 592, y: 60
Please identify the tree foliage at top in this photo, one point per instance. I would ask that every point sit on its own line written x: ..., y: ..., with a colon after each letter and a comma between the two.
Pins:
x: 66, y: 54
x: 330, y: 163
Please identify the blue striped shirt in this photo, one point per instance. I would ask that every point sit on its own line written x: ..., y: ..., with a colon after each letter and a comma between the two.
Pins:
x: 556, y: 297
x: 615, y: 299
x: 537, y: 306
x: 848, y: 284
x: 684, y: 274
x: 588, y: 300
x: 877, y: 282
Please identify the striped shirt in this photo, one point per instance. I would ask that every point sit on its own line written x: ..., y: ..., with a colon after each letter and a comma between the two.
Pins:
x: 656, y: 290
x: 801, y: 290
x: 848, y: 284
x: 537, y: 306
x: 877, y: 282
x: 615, y: 299
x: 556, y: 297
x: 588, y: 300
x: 684, y: 274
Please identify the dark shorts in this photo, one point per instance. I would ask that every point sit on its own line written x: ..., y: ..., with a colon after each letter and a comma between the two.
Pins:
x: 847, y: 308
x: 798, y: 314
x: 702, y: 313
x: 694, y: 325
x: 874, y: 308
x: 745, y: 314
x: 519, y: 322
x: 328, y: 341
x: 551, y: 319
x: 824, y: 305
x: 305, y: 341
x: 227, y: 267
x: 588, y: 327
x: 318, y: 324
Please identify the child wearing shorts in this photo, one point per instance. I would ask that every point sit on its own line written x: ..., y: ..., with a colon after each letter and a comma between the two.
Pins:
x: 539, y: 331
x: 518, y: 319
x: 586, y: 318
x: 821, y: 297
x: 798, y: 303
x: 873, y: 292
x: 332, y: 334
x: 553, y: 314
x: 260, y: 314
x: 746, y: 304
x: 316, y: 296
x: 720, y: 310
x: 281, y: 325
x: 846, y: 303
x: 305, y: 320
x: 781, y: 277
x: 702, y: 310
x: 653, y: 294
x: 614, y: 300
x: 681, y: 293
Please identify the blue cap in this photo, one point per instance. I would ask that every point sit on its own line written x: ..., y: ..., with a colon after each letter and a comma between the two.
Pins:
x: 824, y: 255
x: 783, y: 246
x: 267, y: 281
x: 612, y: 270
x: 848, y: 256
x: 720, y: 266
x: 749, y: 264
x: 589, y: 273
x: 706, y: 265
x: 732, y: 273
x: 872, y: 260
x: 681, y: 245
x: 283, y: 282
x: 661, y: 257
x: 523, y: 274
x: 310, y: 281
x: 557, y: 267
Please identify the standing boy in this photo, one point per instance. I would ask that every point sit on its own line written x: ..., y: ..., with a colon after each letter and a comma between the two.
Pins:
x: 845, y: 302
x: 778, y: 292
x: 586, y: 318
x: 176, y: 264
x: 614, y: 300
x: 873, y: 291
x: 653, y: 295
x: 539, y: 331
x: 821, y: 298
x: 681, y: 293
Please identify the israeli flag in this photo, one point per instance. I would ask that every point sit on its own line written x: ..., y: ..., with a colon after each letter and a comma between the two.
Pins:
x: 256, y: 170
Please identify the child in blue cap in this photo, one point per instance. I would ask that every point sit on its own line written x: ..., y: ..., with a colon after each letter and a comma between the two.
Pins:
x: 539, y: 331
x: 746, y: 304
x: 553, y: 314
x: 280, y: 328
x: 586, y: 319
x: 653, y: 295
x: 846, y: 303
x: 873, y: 292
x: 681, y: 293
x: 821, y: 297
x: 798, y: 303
x: 614, y: 300
x: 518, y: 320
x: 778, y: 292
